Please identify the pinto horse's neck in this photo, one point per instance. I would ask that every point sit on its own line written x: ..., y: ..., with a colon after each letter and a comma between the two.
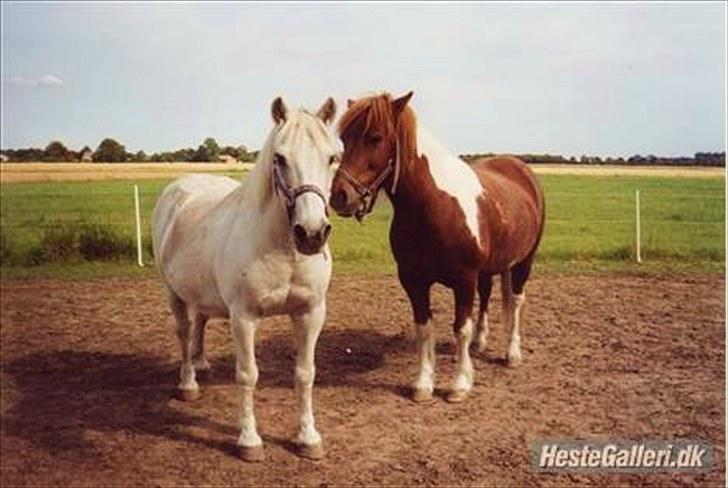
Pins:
x: 432, y: 172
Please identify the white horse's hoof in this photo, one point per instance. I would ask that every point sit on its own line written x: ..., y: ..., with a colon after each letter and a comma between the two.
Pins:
x: 420, y: 395
x: 311, y: 451
x: 456, y: 396
x: 251, y: 454
x: 188, y: 395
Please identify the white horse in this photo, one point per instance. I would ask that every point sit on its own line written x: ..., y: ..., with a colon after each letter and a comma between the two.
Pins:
x: 251, y: 250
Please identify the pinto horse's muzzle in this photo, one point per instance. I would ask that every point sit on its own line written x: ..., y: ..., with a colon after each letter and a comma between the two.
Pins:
x: 355, y: 199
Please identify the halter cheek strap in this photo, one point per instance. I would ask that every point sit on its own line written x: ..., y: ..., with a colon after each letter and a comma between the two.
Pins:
x: 290, y: 194
x: 368, y: 194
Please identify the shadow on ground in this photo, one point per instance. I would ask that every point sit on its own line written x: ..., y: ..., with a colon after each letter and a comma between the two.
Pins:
x: 62, y: 395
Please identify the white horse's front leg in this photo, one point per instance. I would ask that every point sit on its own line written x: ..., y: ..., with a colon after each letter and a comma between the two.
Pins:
x: 250, y: 445
x: 307, y: 327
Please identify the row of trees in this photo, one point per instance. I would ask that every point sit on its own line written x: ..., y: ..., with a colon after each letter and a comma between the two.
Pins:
x: 112, y: 151
x: 699, y: 159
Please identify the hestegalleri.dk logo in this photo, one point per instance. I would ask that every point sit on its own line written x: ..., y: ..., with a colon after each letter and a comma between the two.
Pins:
x: 621, y: 455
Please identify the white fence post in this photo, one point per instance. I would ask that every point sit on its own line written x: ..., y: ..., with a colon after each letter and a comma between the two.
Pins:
x: 138, y: 227
x: 638, y: 242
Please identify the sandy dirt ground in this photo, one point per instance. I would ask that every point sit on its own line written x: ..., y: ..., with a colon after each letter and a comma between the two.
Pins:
x: 89, y: 370
x: 19, y: 172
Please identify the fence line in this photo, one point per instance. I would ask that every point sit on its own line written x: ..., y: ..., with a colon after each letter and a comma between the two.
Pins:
x: 136, y: 217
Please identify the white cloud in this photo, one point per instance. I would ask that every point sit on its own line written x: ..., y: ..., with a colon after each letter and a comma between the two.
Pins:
x: 45, y: 81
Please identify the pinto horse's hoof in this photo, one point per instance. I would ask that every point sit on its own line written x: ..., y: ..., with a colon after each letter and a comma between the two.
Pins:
x: 456, y: 396
x: 188, y: 395
x: 514, y: 360
x: 311, y: 451
x: 251, y: 454
x: 420, y: 396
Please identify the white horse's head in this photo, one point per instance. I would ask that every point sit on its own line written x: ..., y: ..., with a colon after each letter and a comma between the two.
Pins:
x: 303, y: 151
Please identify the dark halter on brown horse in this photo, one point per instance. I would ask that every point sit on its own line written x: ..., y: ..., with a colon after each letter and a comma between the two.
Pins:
x: 453, y: 224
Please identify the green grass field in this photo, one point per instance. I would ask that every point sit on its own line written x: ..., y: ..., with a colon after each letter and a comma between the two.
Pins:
x: 590, y: 224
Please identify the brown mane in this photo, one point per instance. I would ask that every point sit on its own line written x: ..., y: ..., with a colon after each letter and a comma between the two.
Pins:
x: 376, y: 112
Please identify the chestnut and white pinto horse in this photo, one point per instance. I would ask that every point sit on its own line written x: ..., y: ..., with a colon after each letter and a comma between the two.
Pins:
x: 252, y: 250
x: 454, y: 223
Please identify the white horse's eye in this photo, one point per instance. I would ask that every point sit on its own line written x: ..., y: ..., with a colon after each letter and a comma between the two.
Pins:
x: 334, y: 159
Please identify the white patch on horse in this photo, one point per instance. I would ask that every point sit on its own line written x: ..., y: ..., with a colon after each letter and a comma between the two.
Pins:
x: 464, y: 377
x: 425, y: 382
x: 453, y: 176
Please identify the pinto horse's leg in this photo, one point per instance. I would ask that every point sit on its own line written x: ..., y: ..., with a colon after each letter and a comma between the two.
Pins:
x: 188, y: 388
x: 485, y: 285
x: 250, y: 445
x: 463, y: 331
x: 518, y: 277
x: 198, y: 345
x: 307, y: 327
x: 419, y: 295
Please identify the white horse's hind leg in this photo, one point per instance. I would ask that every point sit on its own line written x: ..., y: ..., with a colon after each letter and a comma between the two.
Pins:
x: 307, y: 328
x: 198, y: 345
x: 188, y: 387
x: 250, y: 444
x: 512, y: 305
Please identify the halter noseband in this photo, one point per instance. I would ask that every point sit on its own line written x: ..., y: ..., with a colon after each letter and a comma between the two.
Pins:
x: 368, y: 194
x: 290, y: 194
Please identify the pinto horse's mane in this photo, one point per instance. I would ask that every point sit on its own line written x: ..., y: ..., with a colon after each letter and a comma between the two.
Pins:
x: 375, y: 113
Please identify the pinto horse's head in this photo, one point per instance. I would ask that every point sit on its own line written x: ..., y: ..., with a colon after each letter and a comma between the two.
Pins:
x: 303, y: 151
x: 375, y: 132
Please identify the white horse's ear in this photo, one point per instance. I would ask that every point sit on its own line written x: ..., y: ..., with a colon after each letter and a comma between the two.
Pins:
x: 350, y: 102
x: 278, y: 110
x: 400, y: 103
x: 327, y: 112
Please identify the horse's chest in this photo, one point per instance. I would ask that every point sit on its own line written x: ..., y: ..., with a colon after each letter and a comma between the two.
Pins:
x: 285, y: 299
x: 273, y: 292
x: 429, y: 253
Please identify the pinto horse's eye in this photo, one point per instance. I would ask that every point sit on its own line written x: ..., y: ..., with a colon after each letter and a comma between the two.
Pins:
x: 374, y: 139
x: 334, y: 159
x: 279, y: 160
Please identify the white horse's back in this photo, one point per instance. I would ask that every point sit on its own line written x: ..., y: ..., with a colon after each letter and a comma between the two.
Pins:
x: 194, y: 192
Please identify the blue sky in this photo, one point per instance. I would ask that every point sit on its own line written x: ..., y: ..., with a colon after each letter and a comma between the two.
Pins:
x: 604, y: 79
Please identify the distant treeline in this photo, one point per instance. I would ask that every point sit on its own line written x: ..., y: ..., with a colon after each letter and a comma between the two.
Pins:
x: 111, y: 151
x: 699, y: 159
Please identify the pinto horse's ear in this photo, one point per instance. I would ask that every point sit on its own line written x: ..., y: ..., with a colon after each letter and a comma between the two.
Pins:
x: 400, y: 103
x: 350, y: 102
x: 327, y: 112
x: 278, y: 110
